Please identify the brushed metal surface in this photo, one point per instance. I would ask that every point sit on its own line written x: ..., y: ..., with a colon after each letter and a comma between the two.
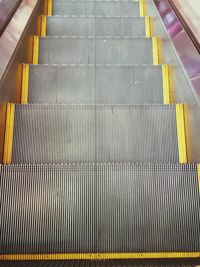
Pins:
x: 107, y: 263
x: 95, y: 84
x: 15, y: 48
x: 102, y: 8
x: 183, y: 90
x: 94, y: 133
x: 95, y: 50
x: 95, y: 26
x: 99, y: 208
x: 13, y: 33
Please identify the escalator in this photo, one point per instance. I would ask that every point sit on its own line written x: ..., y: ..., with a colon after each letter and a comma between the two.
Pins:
x: 95, y: 164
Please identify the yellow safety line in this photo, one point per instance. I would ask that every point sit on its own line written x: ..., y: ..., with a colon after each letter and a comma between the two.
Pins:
x: 180, y: 120
x: 7, y: 156
x: 43, y: 25
x: 100, y: 256
x: 35, y: 49
x: 25, y: 79
x: 156, y: 50
x: 49, y: 8
x: 143, y: 8
x: 198, y: 170
x: 149, y: 26
x: 166, y: 83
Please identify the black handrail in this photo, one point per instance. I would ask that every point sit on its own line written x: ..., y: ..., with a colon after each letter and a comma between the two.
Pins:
x: 7, y: 10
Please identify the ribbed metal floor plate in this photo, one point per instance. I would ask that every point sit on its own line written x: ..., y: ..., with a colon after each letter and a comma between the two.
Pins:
x: 99, y: 208
x: 63, y: 50
x: 95, y: 133
x: 113, y: 263
x: 67, y: 26
x: 103, y: 8
x: 95, y: 84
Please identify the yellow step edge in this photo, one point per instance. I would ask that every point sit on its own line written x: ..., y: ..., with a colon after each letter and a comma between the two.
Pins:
x: 180, y: 120
x: 143, y: 8
x: 100, y: 256
x: 157, y: 50
x: 25, y: 80
x: 49, y: 8
x: 7, y: 156
x: 43, y: 25
x: 149, y: 26
x: 198, y: 170
x: 166, y: 84
x: 35, y: 49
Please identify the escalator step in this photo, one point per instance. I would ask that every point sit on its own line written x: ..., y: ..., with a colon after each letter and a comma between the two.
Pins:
x: 64, y: 50
x: 108, y: 263
x: 95, y: 133
x: 102, y: 208
x: 91, y: 26
x: 95, y: 84
x: 99, y: 8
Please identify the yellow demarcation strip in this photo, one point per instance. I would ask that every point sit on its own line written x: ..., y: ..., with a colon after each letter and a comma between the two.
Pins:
x: 156, y: 50
x: 43, y: 25
x: 25, y: 78
x: 166, y: 84
x: 198, y: 170
x: 143, y: 8
x: 49, y: 8
x: 100, y: 256
x: 7, y: 156
x: 35, y: 49
x: 149, y: 26
x: 180, y: 120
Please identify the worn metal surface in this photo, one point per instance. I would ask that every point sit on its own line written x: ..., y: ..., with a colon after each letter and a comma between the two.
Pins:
x: 102, y: 133
x: 95, y: 26
x: 99, y: 208
x: 95, y: 50
x: 108, y: 263
x: 103, y: 8
x: 95, y: 84
x: 113, y: 263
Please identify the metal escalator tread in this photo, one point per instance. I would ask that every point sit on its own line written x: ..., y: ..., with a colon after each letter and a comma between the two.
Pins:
x: 99, y: 8
x: 95, y: 84
x: 103, y: 208
x: 95, y: 50
x: 90, y: 133
x: 115, y: 263
x: 95, y: 26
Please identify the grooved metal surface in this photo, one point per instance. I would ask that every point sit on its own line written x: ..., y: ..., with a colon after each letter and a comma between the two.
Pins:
x: 97, y: 133
x: 102, y: 8
x: 95, y: 84
x: 113, y: 263
x: 94, y: 26
x: 99, y: 208
x: 64, y: 50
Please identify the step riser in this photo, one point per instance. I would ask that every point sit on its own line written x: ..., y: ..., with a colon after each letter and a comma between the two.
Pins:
x: 95, y: 26
x: 91, y: 51
x: 97, y: 9
x: 101, y: 85
x: 54, y: 134
x: 99, y: 209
